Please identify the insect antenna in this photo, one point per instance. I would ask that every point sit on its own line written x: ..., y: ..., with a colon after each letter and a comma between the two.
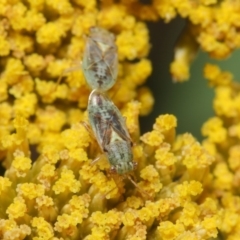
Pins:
x: 97, y: 159
x: 138, y: 188
x: 105, y: 195
x: 69, y: 70
x: 135, y: 184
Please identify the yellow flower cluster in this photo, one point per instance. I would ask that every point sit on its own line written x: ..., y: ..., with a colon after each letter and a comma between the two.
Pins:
x: 212, y: 26
x: 61, y: 194
x: 39, y: 41
x: 222, y: 134
x: 57, y: 183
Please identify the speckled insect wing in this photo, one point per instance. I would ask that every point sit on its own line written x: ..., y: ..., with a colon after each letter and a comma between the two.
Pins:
x: 98, y: 116
x: 100, y: 59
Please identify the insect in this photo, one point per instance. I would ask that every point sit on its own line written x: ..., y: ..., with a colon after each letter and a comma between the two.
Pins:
x: 100, y: 70
x: 112, y: 136
x: 100, y: 59
x: 111, y: 132
x: 107, y: 123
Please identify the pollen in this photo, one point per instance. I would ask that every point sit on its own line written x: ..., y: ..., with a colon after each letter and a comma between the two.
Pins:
x: 58, y: 182
x: 17, y: 209
x: 43, y: 229
x: 21, y: 165
x: 50, y: 33
x: 214, y: 130
x: 165, y: 123
x: 4, y: 46
x: 30, y: 190
x: 153, y: 138
x: 165, y: 158
x: 66, y: 182
x: 5, y: 183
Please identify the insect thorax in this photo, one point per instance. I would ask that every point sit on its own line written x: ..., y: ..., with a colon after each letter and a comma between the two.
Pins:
x: 119, y: 154
x: 99, y: 76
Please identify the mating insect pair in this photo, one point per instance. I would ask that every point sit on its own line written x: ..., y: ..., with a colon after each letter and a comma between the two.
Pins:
x: 100, y: 70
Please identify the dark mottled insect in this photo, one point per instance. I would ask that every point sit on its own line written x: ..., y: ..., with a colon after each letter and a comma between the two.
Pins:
x: 111, y: 132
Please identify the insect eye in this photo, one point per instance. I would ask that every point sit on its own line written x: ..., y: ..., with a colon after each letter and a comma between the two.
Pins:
x: 105, y: 150
x: 135, y: 165
x: 113, y: 170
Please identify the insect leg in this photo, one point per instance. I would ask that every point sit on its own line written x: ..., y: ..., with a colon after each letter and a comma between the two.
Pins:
x: 139, y: 189
x: 88, y: 129
x: 71, y: 69
x: 94, y: 138
x: 97, y: 159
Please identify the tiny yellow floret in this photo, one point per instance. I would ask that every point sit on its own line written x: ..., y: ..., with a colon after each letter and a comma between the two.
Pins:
x: 165, y: 123
x: 17, y: 209
x: 30, y: 190
x: 153, y: 138
x: 44, y: 230
x: 214, y: 130
x: 66, y: 182
x: 50, y: 33
x: 22, y: 165
x: 4, y: 46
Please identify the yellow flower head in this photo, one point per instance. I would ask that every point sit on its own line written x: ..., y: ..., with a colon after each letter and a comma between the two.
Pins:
x: 58, y: 184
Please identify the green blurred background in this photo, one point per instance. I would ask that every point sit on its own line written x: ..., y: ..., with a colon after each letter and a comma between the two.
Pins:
x: 191, y: 101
